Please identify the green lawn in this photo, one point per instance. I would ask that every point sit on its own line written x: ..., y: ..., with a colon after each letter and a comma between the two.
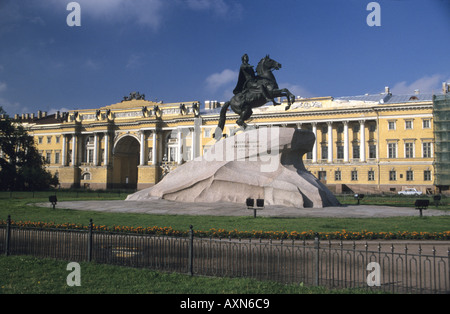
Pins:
x: 20, y: 274
x: 29, y: 275
x: 21, y: 209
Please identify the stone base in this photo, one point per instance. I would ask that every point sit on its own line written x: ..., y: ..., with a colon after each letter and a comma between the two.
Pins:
x: 261, y: 163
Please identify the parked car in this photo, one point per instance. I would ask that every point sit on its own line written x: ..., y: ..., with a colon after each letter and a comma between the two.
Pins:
x: 411, y: 191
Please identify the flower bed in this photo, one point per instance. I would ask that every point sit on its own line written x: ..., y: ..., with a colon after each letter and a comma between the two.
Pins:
x: 255, y: 234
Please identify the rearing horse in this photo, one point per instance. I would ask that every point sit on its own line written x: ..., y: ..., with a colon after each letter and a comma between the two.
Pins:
x: 252, y: 97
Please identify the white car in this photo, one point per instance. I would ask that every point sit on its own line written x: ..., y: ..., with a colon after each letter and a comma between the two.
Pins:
x: 411, y: 191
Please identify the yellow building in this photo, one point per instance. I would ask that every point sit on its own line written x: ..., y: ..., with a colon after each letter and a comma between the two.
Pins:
x: 369, y: 143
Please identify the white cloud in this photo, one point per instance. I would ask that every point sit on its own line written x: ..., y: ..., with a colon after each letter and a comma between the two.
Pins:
x: 297, y: 90
x: 10, y: 108
x: 2, y: 86
x: 61, y: 110
x: 218, y: 7
x: 143, y: 12
x: 134, y: 61
x: 218, y: 80
x: 91, y: 64
x: 426, y: 84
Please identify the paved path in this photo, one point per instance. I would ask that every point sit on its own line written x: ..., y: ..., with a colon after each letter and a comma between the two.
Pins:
x: 165, y: 207
x: 231, y: 209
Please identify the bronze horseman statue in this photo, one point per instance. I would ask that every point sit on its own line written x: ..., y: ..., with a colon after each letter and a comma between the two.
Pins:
x: 254, y: 90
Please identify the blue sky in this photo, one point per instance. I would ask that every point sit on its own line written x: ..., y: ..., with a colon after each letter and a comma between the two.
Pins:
x: 189, y: 50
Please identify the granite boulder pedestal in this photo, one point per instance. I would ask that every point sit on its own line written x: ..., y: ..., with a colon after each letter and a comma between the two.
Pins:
x: 263, y: 163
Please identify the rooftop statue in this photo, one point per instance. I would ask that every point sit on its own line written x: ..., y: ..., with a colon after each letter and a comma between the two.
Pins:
x: 134, y: 95
x: 254, y: 90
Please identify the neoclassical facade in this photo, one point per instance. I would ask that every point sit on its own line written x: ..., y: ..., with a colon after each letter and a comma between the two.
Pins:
x: 368, y: 143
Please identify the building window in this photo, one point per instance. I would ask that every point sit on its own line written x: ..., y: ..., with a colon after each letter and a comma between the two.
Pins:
x: 371, y: 175
x: 391, y: 125
x: 86, y: 176
x: 427, y: 175
x: 355, y: 151
x: 150, y: 154
x: 48, y: 156
x: 323, y: 175
x: 89, y: 156
x: 172, y: 154
x: 372, y: 128
x: 187, y: 155
x: 340, y: 152
x: 392, y: 175
x: 337, y: 175
x: 57, y: 158
x: 392, y: 150
x: 409, y: 175
x: 57, y: 138
x: 426, y: 150
x: 40, y: 139
x: 408, y: 124
x: 207, y: 132
x: 372, y: 151
x: 354, y: 175
x: 49, y: 139
x: 426, y: 124
x: 409, y: 150
x: 325, y: 152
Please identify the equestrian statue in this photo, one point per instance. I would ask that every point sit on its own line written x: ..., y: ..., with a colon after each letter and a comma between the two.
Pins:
x: 254, y: 90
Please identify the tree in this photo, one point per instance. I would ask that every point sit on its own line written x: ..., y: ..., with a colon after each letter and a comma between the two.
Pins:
x: 21, y: 165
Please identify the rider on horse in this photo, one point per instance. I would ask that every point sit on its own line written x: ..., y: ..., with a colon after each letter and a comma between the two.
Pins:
x: 247, y: 75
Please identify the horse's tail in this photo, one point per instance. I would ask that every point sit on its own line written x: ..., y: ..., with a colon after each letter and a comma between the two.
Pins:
x: 223, y: 115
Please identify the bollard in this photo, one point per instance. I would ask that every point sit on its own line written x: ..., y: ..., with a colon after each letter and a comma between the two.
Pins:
x: 8, y: 234
x: 316, y: 247
x: 89, y: 257
x: 191, y: 251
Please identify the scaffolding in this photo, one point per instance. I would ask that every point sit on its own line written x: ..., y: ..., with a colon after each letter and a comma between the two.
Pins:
x: 441, y: 117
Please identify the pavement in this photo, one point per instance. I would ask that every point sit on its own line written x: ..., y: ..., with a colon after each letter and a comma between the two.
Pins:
x: 159, y: 206
x: 165, y: 207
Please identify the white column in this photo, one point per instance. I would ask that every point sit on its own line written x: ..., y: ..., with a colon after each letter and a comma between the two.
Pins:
x: 155, y: 148
x: 180, y: 146
x: 191, y: 130
x: 196, y: 137
x: 106, y: 152
x: 345, y: 141
x: 74, y: 150
x: 142, y: 150
x: 314, y: 151
x: 362, y: 146
x: 330, y: 141
x: 95, y: 149
x: 64, y: 150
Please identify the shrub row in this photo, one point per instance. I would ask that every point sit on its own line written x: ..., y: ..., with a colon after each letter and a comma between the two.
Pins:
x: 255, y: 234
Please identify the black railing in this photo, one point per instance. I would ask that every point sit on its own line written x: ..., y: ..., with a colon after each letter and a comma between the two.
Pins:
x: 325, y: 263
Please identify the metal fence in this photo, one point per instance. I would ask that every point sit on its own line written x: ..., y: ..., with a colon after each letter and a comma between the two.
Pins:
x: 320, y: 263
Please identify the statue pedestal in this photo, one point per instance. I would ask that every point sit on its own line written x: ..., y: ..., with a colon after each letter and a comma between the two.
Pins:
x: 264, y: 163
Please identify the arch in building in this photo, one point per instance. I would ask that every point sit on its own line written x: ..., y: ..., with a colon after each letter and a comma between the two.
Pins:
x: 125, y: 162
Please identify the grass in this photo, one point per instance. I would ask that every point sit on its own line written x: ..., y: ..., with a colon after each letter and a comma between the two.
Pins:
x: 29, y: 275
x: 22, y: 209
x: 21, y: 274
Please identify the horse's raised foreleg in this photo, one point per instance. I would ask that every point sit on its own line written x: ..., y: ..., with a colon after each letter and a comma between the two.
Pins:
x: 284, y: 92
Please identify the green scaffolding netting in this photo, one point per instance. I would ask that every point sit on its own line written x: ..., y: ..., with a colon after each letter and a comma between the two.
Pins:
x: 441, y: 117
